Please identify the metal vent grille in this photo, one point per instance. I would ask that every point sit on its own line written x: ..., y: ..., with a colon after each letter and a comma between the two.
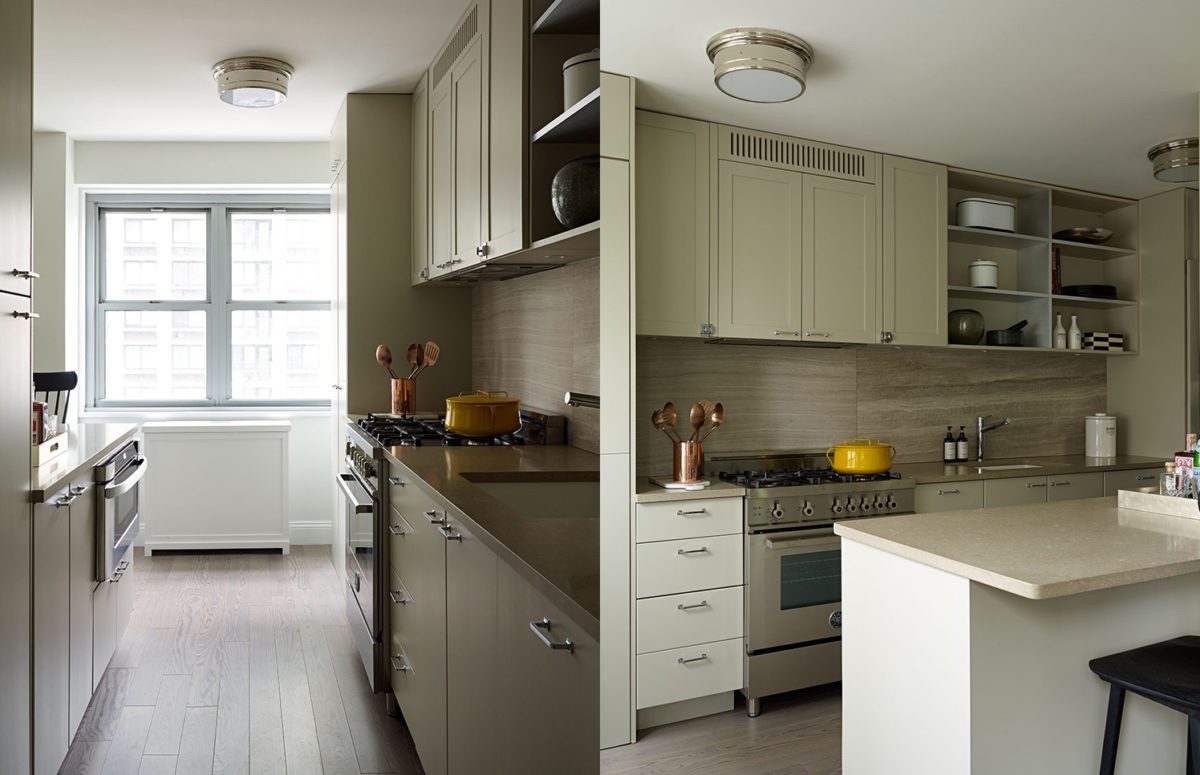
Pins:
x: 801, y: 155
x: 458, y: 44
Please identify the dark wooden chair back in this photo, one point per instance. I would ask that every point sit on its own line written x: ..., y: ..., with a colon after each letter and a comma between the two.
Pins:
x: 54, y: 387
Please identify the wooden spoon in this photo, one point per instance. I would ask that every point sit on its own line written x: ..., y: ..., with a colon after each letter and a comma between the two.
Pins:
x: 697, y: 418
x: 715, y: 417
x: 431, y: 353
x: 383, y: 355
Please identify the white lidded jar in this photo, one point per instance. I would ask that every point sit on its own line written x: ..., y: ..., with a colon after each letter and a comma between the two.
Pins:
x: 984, y: 274
x: 581, y: 76
x: 1100, y: 435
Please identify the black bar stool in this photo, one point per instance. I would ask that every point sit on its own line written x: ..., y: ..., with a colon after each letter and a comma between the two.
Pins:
x: 1167, y: 673
x: 55, y: 389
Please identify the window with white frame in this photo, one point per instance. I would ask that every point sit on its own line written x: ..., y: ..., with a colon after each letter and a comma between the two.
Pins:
x: 204, y: 301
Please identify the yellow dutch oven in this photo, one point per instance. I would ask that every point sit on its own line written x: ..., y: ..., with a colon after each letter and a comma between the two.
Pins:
x: 483, y: 413
x: 861, y: 456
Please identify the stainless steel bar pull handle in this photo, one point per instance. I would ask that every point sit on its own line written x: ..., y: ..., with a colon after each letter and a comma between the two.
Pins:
x: 396, y: 530
x: 949, y: 492
x: 1031, y: 485
x: 693, y: 606
x: 542, y: 630
x: 26, y: 315
x: 400, y: 664
x: 1145, y: 477
x: 433, y: 518
x: 448, y: 533
x: 787, y: 333
x: 396, y: 481
x: 1060, y: 484
x: 691, y: 512
x: 25, y: 274
x: 823, y: 334
x: 398, y: 597
x: 700, y: 658
x: 701, y: 550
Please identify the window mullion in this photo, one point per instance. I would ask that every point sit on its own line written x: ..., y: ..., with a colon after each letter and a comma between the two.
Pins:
x: 221, y: 351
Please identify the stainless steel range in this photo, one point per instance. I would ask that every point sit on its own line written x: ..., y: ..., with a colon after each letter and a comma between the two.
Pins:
x: 793, y: 563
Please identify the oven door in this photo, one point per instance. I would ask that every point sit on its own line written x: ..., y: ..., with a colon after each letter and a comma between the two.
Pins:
x: 794, y: 587
x: 118, y: 521
x: 360, y: 546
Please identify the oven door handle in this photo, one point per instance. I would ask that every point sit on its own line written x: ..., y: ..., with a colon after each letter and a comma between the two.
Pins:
x: 356, y: 494
x: 815, y: 543
x: 122, y: 486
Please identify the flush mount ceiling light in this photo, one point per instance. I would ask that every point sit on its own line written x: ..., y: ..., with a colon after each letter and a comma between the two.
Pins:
x: 252, y: 82
x: 759, y: 65
x: 1176, y: 161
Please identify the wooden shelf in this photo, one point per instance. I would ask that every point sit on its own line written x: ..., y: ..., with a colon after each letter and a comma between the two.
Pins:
x: 1085, y: 250
x: 569, y: 17
x: 1083, y: 301
x: 579, y: 124
x: 993, y: 294
x: 992, y: 239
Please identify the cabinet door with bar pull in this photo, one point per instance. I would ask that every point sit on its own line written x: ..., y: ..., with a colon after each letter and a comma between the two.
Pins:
x: 1074, y: 486
x: 841, y: 256
x: 550, y: 677
x: 948, y: 496
x: 1014, y: 492
x: 1139, y: 480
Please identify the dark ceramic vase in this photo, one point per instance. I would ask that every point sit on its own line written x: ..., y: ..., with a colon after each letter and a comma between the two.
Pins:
x: 575, y: 192
x: 966, y: 326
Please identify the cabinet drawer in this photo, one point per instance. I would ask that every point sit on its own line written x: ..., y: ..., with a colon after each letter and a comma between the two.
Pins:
x: 669, y: 520
x: 1141, y: 479
x: 401, y: 540
x: 1074, y: 487
x: 690, y: 672
x: 693, y: 617
x: 1014, y: 492
x: 948, y: 496
x: 670, y: 567
x: 407, y: 496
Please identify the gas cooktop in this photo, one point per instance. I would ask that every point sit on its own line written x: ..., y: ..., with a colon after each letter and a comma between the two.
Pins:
x: 797, y: 477
x: 396, y: 431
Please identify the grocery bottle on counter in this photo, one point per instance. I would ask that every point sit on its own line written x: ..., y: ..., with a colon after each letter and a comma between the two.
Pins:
x: 949, y: 447
x: 962, y: 445
x: 1168, y: 483
x: 1185, y: 463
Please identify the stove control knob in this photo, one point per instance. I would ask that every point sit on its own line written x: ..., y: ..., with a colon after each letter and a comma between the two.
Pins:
x: 891, y: 502
x: 837, y: 506
x: 851, y: 506
x: 808, y: 509
x: 880, y: 503
x: 777, y: 511
x: 867, y: 505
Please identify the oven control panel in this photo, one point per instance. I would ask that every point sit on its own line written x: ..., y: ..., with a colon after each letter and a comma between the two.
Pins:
x: 764, y: 509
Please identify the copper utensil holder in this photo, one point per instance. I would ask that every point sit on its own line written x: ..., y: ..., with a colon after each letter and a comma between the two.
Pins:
x: 404, y: 397
x: 687, y: 461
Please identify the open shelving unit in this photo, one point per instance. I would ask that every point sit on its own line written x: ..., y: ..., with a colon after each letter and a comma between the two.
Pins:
x: 1026, y: 258
x: 561, y: 29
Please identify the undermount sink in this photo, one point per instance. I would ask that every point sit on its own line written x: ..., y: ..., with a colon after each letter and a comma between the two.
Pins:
x: 1011, y: 467
x: 552, y: 495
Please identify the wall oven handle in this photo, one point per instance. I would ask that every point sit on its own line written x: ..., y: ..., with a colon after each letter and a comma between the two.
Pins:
x: 355, y: 494
x: 119, y: 488
x: 813, y: 543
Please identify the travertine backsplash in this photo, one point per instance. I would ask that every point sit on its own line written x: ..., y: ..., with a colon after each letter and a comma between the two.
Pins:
x: 538, y: 337
x: 788, y: 398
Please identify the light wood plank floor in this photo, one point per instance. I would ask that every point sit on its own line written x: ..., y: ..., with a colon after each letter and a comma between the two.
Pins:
x: 798, y: 733
x: 238, y: 663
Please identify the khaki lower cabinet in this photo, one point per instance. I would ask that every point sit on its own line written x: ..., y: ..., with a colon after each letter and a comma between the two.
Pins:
x: 480, y: 665
x: 1014, y: 492
x: 1074, y: 487
x: 1141, y: 479
x: 954, y: 496
x: 689, y: 600
x: 948, y: 496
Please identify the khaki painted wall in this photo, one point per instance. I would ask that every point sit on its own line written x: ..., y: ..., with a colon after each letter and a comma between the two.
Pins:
x: 538, y: 337
x: 787, y: 398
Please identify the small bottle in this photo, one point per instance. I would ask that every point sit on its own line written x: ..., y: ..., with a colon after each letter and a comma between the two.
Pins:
x: 949, y: 447
x: 1075, y: 336
x: 1168, y: 484
x: 1060, y: 333
x: 964, y: 447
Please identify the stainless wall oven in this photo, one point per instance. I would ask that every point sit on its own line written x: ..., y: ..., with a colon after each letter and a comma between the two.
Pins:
x: 364, y: 492
x: 118, y: 494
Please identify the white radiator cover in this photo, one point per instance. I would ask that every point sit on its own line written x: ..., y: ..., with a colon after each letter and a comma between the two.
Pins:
x: 216, y: 485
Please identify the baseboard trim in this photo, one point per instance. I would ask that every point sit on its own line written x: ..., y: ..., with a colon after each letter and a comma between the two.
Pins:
x: 684, y: 710
x: 311, y: 532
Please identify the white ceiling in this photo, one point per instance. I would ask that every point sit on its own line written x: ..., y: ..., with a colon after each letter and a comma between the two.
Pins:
x: 1071, y: 92
x: 141, y: 70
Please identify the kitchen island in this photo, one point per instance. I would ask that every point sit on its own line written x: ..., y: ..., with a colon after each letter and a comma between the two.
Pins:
x: 967, y: 636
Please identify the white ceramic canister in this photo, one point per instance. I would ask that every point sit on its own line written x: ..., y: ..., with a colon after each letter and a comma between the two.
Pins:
x: 581, y: 77
x: 984, y: 274
x: 1100, y: 435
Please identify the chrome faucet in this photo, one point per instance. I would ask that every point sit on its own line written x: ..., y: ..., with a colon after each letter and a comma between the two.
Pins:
x: 982, y: 429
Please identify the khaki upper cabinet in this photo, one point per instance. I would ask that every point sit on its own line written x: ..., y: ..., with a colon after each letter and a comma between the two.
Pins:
x: 672, y: 203
x: 913, y: 280
x: 840, y: 261
x: 476, y: 140
x: 759, y: 218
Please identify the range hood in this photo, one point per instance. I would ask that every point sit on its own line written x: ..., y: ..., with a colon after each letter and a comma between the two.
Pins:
x: 569, y: 247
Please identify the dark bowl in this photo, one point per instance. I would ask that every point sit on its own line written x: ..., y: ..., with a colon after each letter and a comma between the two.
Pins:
x: 575, y: 192
x: 1004, y: 338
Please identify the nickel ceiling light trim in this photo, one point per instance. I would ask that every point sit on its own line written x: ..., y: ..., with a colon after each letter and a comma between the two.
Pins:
x: 1176, y: 161
x: 759, y: 65
x: 252, y: 82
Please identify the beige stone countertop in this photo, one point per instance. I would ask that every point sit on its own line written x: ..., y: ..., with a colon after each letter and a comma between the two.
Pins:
x: 559, y: 555
x: 930, y: 473
x: 87, y: 445
x: 1042, y: 550
x: 652, y: 493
